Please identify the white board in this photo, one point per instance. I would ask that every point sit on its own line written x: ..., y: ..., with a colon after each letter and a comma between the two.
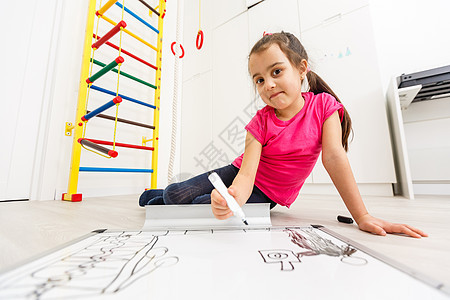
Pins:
x: 271, y: 263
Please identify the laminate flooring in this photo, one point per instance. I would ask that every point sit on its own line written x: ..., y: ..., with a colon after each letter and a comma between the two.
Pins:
x: 29, y: 228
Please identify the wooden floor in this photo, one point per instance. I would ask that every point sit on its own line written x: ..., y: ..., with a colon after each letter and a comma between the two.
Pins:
x: 31, y: 227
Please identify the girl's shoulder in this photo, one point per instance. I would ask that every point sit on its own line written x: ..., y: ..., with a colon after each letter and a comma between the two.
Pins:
x: 325, y: 104
x: 321, y: 96
x: 319, y: 100
x: 265, y: 111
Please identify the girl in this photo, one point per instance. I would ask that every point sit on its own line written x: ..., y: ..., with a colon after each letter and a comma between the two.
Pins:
x: 283, y: 142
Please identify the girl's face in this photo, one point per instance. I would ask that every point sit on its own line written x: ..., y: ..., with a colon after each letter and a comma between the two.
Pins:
x: 278, y: 82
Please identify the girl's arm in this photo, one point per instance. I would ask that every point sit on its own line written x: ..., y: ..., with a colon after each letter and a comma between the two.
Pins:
x: 336, y: 163
x: 242, y: 186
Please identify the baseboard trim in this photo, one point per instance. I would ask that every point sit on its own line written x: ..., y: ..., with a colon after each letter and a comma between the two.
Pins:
x: 366, y: 189
x: 442, y: 189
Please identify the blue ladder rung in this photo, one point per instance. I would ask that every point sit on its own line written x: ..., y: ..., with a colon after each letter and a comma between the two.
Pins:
x: 97, y: 169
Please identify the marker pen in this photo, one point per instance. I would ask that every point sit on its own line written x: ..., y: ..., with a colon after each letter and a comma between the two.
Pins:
x: 231, y: 202
x: 346, y: 220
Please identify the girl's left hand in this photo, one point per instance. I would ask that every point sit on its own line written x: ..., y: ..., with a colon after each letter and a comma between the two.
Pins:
x: 381, y: 227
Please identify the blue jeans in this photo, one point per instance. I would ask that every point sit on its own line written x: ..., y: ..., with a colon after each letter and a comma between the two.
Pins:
x: 197, y: 190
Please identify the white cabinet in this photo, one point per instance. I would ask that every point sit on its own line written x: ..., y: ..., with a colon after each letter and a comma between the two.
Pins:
x: 262, y: 18
x: 232, y: 88
x: 226, y: 10
x: 317, y: 12
x: 217, y: 98
x: 427, y: 135
x: 197, y: 61
x: 343, y: 54
x: 428, y: 143
x: 196, y: 120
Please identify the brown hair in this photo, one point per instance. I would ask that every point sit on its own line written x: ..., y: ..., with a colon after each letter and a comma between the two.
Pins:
x: 295, y: 52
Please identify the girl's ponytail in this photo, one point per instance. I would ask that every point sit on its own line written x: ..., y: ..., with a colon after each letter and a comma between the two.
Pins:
x: 317, y: 85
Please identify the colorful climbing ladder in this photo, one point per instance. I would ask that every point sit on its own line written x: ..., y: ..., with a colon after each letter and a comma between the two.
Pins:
x: 92, y: 44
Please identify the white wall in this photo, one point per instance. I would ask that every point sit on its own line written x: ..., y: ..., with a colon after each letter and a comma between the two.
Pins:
x: 43, y: 92
x: 412, y: 36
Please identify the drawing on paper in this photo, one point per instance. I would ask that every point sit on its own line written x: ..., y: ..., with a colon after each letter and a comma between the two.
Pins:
x: 283, y: 257
x: 108, y: 265
x: 188, y: 264
x: 314, y: 244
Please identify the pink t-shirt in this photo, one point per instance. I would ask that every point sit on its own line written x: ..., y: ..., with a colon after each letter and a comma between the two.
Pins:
x: 289, y: 148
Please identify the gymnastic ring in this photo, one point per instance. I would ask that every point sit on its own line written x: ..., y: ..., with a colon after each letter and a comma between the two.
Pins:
x: 199, y: 41
x: 173, y: 51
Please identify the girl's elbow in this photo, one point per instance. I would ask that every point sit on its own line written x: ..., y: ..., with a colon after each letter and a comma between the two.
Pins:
x: 332, y: 156
x: 327, y: 160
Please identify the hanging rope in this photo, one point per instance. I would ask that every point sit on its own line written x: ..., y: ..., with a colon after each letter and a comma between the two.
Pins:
x: 173, y: 140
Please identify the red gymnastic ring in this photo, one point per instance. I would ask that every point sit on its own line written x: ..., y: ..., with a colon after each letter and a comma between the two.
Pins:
x: 199, y: 41
x: 173, y: 51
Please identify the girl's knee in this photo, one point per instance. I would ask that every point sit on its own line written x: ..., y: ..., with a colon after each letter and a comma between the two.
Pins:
x: 171, y: 194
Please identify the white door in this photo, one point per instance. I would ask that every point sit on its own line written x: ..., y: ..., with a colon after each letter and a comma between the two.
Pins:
x: 24, y: 81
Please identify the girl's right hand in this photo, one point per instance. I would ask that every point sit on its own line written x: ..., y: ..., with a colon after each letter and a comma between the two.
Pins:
x: 219, y: 206
x: 241, y: 189
x: 242, y: 186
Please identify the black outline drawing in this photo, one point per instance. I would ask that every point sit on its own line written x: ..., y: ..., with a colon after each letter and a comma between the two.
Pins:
x: 138, y: 256
x: 315, y: 244
x: 282, y: 256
